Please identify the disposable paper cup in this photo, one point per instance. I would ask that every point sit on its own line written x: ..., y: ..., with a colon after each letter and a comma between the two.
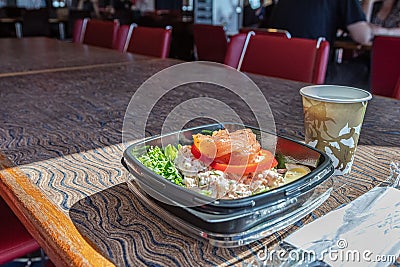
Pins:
x: 333, y: 116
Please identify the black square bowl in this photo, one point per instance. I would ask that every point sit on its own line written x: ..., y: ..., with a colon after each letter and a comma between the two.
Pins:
x: 227, y: 222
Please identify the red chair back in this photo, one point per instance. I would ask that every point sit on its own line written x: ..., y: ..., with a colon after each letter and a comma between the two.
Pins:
x: 396, y: 93
x: 385, y: 65
x: 149, y: 41
x: 101, y: 33
x: 321, y: 61
x: 79, y: 30
x: 210, y: 42
x: 235, y: 49
x: 296, y: 59
x: 15, y: 239
x: 123, y: 37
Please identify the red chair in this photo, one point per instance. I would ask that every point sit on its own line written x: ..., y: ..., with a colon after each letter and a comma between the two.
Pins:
x: 235, y: 51
x: 123, y: 37
x: 150, y: 41
x: 210, y: 41
x: 238, y: 44
x: 15, y: 241
x: 396, y: 93
x: 101, y: 33
x: 79, y: 30
x: 73, y: 16
x: 296, y: 59
x: 385, y: 65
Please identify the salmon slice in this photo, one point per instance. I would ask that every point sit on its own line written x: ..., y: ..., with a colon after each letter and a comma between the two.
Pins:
x: 237, y: 148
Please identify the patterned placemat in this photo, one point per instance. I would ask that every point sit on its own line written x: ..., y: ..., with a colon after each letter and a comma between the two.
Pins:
x: 64, y: 132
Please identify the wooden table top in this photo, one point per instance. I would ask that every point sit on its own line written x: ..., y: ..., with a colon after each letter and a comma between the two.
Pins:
x: 61, y: 172
x: 41, y: 54
x: 348, y: 44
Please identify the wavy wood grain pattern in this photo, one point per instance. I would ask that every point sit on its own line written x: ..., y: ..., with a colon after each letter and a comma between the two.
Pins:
x: 63, y: 131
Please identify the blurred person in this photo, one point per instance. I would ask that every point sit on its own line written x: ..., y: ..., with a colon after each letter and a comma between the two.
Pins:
x: 250, y: 18
x: 324, y: 18
x: 90, y: 5
x: 388, y: 15
x: 330, y: 19
x: 255, y: 13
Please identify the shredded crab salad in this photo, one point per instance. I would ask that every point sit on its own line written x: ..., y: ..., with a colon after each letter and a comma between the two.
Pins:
x: 222, y: 165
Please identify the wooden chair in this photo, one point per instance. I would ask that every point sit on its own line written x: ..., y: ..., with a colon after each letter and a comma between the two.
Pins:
x: 210, y: 42
x: 150, y: 41
x: 100, y: 33
x: 385, y: 65
x: 15, y: 239
x: 296, y: 59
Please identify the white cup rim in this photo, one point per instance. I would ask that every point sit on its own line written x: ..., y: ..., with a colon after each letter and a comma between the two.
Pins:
x: 338, y: 94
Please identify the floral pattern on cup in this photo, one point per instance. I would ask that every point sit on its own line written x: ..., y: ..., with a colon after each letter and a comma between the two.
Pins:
x: 335, y: 129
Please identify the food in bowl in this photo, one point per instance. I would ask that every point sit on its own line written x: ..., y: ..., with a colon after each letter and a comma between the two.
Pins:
x: 222, y: 164
x: 230, y: 221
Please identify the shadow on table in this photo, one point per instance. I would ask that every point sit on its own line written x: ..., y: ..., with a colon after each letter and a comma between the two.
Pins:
x: 128, y: 233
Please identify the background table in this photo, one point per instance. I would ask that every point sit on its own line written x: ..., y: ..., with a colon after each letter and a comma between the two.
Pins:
x: 61, y: 170
x: 40, y: 54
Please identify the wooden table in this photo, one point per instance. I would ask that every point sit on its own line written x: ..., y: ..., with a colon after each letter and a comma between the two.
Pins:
x: 348, y: 44
x: 340, y: 46
x: 61, y: 172
x: 33, y: 55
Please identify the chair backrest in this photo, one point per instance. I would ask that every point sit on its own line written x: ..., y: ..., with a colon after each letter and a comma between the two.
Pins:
x: 123, y: 37
x: 385, y: 65
x: 101, y: 33
x: 266, y: 31
x: 235, y: 50
x: 210, y: 41
x: 36, y: 22
x: 73, y: 16
x: 296, y: 59
x: 150, y: 41
x: 396, y: 93
x: 15, y: 239
x: 238, y: 44
x: 79, y: 30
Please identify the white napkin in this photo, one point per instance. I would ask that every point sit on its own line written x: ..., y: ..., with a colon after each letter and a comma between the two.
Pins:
x: 365, y: 232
